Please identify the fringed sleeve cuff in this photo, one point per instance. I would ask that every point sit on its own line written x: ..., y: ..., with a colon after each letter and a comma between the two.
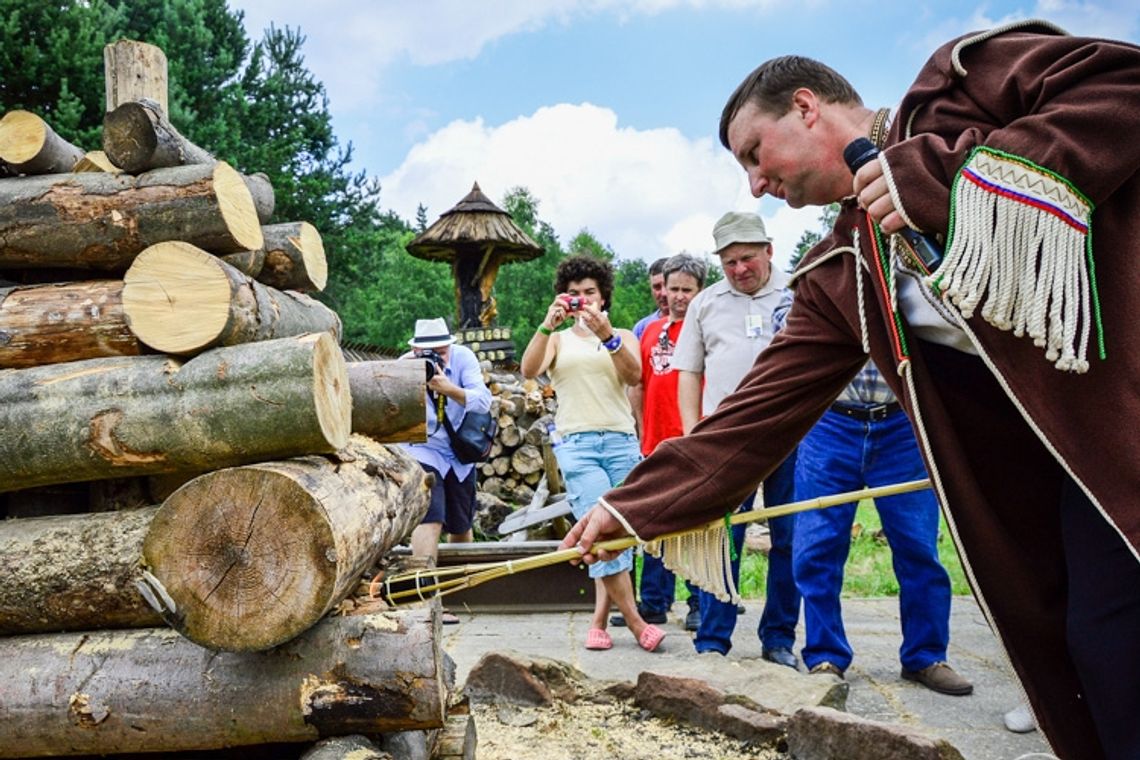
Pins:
x: 1020, y: 247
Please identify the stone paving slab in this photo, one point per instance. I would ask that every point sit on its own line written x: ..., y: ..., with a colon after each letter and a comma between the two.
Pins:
x: 973, y: 723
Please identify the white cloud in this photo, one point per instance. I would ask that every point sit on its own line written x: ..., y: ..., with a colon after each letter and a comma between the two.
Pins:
x: 646, y: 193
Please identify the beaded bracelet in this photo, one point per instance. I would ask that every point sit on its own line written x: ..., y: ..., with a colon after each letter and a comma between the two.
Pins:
x: 613, y: 345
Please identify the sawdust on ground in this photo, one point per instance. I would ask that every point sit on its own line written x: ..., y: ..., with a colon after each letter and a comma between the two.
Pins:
x: 617, y: 730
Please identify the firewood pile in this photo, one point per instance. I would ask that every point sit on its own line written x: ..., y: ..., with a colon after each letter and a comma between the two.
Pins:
x: 195, y: 480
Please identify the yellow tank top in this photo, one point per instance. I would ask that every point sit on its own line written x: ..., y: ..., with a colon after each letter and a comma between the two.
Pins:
x: 590, y: 394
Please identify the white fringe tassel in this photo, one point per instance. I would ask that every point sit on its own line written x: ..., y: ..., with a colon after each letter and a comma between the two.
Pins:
x: 1019, y: 240
x: 703, y: 558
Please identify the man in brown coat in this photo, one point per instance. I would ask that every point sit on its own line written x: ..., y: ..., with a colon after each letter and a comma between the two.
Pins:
x: 1015, y: 355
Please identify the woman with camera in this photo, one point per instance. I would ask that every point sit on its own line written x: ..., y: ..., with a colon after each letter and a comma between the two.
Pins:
x: 590, y: 364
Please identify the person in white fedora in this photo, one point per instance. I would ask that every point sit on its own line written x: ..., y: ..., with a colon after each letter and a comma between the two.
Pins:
x: 454, y: 387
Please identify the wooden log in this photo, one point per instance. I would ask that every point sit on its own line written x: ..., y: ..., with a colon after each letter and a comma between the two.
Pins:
x: 138, y: 137
x: 141, y: 415
x: 457, y: 740
x: 96, y: 161
x: 248, y: 263
x: 63, y: 322
x: 30, y: 146
x: 508, y: 432
x: 132, y: 71
x: 388, y: 399
x: 181, y: 300
x: 102, y: 221
x: 264, y: 199
x: 73, y: 572
x: 150, y: 690
x: 353, y: 747
x: 501, y: 464
x: 526, y: 459
x: 294, y: 257
x: 253, y: 556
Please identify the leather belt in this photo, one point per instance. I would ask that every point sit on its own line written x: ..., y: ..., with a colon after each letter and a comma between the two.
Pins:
x: 867, y: 413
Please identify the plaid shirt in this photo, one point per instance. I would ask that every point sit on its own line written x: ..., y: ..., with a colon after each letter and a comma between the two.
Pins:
x: 867, y: 389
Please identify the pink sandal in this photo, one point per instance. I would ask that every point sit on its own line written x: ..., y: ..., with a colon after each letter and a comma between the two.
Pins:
x: 650, y: 638
x: 596, y: 638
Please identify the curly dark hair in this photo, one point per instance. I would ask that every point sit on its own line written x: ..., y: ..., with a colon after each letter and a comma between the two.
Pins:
x: 582, y: 266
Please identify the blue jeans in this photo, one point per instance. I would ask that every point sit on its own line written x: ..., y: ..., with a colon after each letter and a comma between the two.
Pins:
x: 843, y: 454
x: 593, y: 463
x: 659, y: 584
x: 777, y: 628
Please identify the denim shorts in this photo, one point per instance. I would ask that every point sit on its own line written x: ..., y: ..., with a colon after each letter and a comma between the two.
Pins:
x: 592, y: 463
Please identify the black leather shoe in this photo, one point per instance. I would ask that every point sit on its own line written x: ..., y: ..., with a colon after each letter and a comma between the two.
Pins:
x: 781, y: 656
x: 693, y: 619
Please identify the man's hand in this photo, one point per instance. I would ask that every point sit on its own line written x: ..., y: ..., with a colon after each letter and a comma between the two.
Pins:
x: 597, y: 525
x: 871, y: 190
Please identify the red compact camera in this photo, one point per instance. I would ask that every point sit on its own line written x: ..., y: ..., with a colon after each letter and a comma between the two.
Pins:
x: 573, y: 303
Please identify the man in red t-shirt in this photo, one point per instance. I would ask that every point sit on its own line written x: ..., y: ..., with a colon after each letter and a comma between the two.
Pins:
x: 660, y: 417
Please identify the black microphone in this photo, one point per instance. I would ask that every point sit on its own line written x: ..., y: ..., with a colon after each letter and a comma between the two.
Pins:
x: 927, y: 253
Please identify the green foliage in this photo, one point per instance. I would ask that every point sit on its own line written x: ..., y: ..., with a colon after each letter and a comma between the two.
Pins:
x: 868, y: 571
x: 810, y: 238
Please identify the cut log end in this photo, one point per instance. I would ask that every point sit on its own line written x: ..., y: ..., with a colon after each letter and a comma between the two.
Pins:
x: 176, y: 297
x: 22, y: 137
x: 313, y: 254
x: 224, y: 545
x: 333, y: 395
x: 128, y: 136
x: 237, y: 207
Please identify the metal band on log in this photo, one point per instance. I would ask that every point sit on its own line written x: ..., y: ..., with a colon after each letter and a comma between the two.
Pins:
x: 252, y: 556
x: 181, y: 300
x: 30, y: 146
x: 388, y: 399
x: 150, y: 690
x: 96, y: 220
x: 142, y: 415
x: 63, y: 322
x: 73, y: 572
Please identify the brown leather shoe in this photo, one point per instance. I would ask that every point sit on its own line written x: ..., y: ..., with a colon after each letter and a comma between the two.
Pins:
x: 940, y: 677
x: 826, y: 667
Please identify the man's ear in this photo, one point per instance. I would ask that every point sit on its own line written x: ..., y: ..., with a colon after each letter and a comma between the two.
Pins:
x: 806, y: 104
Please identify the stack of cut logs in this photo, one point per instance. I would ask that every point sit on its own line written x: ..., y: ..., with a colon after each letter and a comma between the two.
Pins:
x: 187, y: 419
x: 520, y: 455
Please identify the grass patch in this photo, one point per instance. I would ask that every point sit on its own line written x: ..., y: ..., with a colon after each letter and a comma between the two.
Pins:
x: 868, y: 571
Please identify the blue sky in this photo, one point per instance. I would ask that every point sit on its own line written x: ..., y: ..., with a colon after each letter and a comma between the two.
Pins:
x: 607, y: 111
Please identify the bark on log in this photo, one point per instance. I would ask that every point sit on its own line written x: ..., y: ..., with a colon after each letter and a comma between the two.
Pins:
x: 96, y: 161
x: 264, y: 199
x: 150, y: 690
x: 253, y: 556
x: 132, y: 71
x: 248, y: 263
x: 102, y: 221
x: 388, y: 400
x: 141, y: 415
x: 30, y: 146
x: 294, y: 257
x: 138, y: 137
x: 73, y: 572
x: 63, y: 322
x: 181, y: 300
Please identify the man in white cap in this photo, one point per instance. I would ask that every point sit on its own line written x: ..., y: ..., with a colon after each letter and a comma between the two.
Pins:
x: 727, y: 326
x: 455, y: 385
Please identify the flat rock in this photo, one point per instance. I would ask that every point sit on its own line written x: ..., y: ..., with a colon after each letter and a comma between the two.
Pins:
x: 693, y: 701
x: 522, y: 679
x: 820, y: 733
